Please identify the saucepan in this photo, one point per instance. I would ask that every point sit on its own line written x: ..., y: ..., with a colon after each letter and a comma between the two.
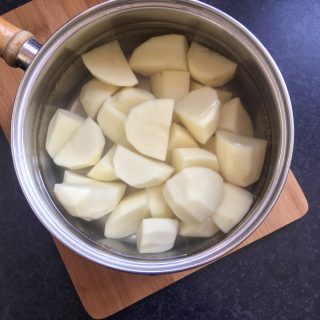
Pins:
x: 55, y: 73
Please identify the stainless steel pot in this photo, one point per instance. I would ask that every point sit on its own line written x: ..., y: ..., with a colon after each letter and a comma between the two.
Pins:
x: 55, y: 75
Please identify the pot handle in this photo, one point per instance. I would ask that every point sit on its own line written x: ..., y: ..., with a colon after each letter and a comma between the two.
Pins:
x: 17, y: 47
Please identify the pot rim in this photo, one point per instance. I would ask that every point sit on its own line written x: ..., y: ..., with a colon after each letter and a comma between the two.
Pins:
x: 96, y: 254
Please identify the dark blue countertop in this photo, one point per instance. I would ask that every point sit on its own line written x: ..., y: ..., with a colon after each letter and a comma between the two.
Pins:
x: 275, y: 278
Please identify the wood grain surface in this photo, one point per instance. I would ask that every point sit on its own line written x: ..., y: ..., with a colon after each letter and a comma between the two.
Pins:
x: 104, y: 291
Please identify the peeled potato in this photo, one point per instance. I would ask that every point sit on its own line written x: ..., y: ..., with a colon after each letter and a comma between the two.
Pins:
x: 209, y: 67
x: 147, y: 127
x: 194, y: 194
x: 156, y: 235
x: 168, y: 52
x: 210, y: 145
x: 194, y: 85
x: 171, y: 84
x: 93, y: 94
x: 61, y: 128
x: 104, y: 169
x: 84, y: 149
x: 179, y: 137
x: 89, y: 202
x: 204, y: 229
x: 75, y: 178
x: 139, y: 171
x: 182, y: 158
x: 199, y: 112
x: 127, y: 98
x: 241, y: 158
x: 126, y: 218
x: 235, y: 204
x: 157, y: 203
x: 235, y: 118
x: 111, y: 121
x: 108, y: 64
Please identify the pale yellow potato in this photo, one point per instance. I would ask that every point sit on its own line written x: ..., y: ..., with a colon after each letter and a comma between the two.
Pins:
x: 204, y: 229
x: 210, y: 145
x: 194, y: 193
x: 89, y: 202
x: 236, y: 203
x: 147, y: 127
x: 61, y: 128
x: 112, y: 121
x: 84, y: 149
x: 167, y: 52
x: 182, y: 158
x: 157, y: 204
x: 93, y: 94
x: 104, y: 169
x: 76, y: 178
x: 108, y: 64
x: 235, y: 118
x: 157, y: 235
x: 209, y: 67
x: 127, y: 98
x: 171, y: 84
x: 126, y: 218
x: 139, y: 171
x: 241, y: 158
x: 180, y: 138
x: 199, y: 112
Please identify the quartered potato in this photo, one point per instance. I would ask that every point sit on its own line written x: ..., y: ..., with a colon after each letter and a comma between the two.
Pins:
x: 93, y: 94
x: 89, y: 202
x: 199, y: 112
x: 61, y: 128
x: 209, y: 67
x: 76, y: 178
x: 194, y: 193
x: 139, y: 171
x: 104, y: 169
x: 235, y: 118
x: 167, y: 52
x: 108, y: 64
x: 126, y: 218
x: 241, y: 158
x: 210, y: 145
x: 156, y: 235
x: 84, y: 149
x: 204, y: 229
x: 157, y: 204
x: 147, y: 127
x: 127, y: 98
x: 171, y: 84
x: 235, y: 204
x: 182, y: 158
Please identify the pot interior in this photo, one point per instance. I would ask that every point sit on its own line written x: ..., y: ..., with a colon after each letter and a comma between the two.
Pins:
x: 62, y: 74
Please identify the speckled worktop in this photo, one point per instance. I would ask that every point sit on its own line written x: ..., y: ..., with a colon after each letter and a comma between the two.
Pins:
x: 275, y: 278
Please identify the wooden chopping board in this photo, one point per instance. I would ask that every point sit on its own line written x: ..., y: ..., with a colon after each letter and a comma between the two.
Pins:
x: 103, y: 291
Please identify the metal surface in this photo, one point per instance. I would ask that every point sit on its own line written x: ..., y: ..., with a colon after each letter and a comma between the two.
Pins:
x: 27, y: 53
x: 53, y: 80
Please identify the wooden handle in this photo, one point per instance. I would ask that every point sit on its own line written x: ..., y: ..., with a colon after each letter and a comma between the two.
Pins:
x: 11, y: 40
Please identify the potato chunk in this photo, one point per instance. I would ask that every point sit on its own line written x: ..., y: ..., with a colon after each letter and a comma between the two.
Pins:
x: 127, y: 98
x: 235, y: 118
x: 126, y: 218
x: 61, y: 128
x: 194, y: 194
x: 209, y: 67
x: 139, y: 171
x: 156, y: 235
x: 204, y: 229
x: 193, y: 157
x: 235, y: 204
x: 108, y: 64
x: 158, y: 206
x: 89, y: 202
x: 199, y: 112
x: 241, y: 158
x: 84, y: 149
x: 93, y: 94
x: 171, y: 84
x: 147, y: 127
x: 167, y: 52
